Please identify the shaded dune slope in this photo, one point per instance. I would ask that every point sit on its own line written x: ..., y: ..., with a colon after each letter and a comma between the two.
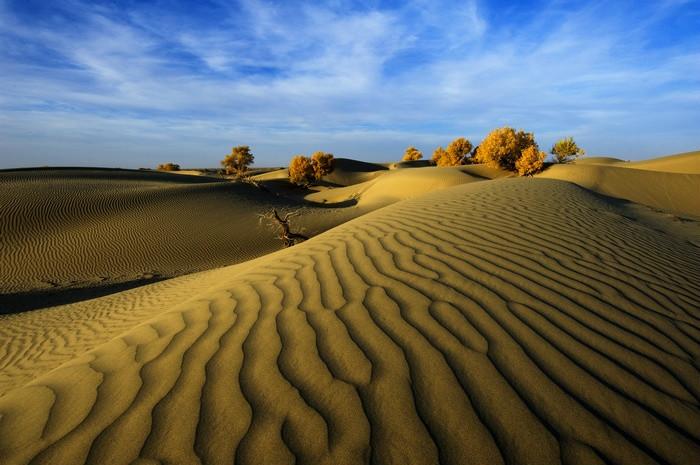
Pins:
x: 80, y: 228
x: 514, y: 321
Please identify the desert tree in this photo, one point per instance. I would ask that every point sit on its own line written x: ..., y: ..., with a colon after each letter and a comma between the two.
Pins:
x: 301, y: 170
x: 531, y: 161
x: 285, y: 233
x: 440, y: 157
x: 322, y: 164
x: 168, y: 167
x: 458, y: 151
x: 238, y: 160
x: 412, y: 154
x: 566, y: 149
x: 502, y: 147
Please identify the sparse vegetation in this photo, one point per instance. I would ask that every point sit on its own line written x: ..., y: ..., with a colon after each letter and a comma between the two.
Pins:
x: 458, y: 151
x: 301, y: 170
x: 439, y: 155
x: 456, y: 154
x: 531, y: 161
x: 503, y: 147
x: 304, y: 170
x: 238, y: 161
x: 322, y: 164
x: 566, y: 150
x: 412, y: 154
x: 286, y: 235
x: 168, y: 167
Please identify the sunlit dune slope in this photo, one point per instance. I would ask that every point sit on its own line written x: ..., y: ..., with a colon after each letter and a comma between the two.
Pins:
x: 40, y: 340
x: 508, y: 321
x: 599, y: 161
x: 81, y: 227
x: 676, y: 190
x: 687, y: 163
x: 393, y: 186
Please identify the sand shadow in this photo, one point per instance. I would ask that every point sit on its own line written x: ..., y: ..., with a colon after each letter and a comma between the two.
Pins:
x: 26, y: 301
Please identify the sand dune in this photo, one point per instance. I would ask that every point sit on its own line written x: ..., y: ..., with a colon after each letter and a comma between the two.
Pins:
x: 599, y: 161
x: 508, y: 321
x: 676, y: 192
x: 88, y: 228
x: 393, y: 186
x: 687, y: 163
x: 347, y: 172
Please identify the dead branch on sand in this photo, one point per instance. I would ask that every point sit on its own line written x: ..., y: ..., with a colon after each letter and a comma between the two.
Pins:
x: 286, y: 235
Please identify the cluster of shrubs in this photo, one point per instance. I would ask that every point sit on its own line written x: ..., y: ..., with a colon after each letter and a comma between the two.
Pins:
x: 168, y: 167
x: 503, y: 148
x: 302, y: 170
x: 305, y: 170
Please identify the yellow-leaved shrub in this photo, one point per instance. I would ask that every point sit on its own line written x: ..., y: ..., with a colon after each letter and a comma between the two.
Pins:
x: 531, y: 161
x: 322, y: 163
x: 301, y: 170
x: 411, y: 154
x: 238, y: 160
x: 566, y: 149
x: 502, y: 147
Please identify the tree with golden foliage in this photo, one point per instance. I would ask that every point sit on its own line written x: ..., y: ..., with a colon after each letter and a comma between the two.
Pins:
x: 458, y: 151
x: 439, y: 155
x: 566, y: 149
x: 531, y: 161
x: 301, y: 170
x: 503, y: 146
x: 412, y: 154
x: 322, y: 163
x: 168, y: 167
x: 238, y: 160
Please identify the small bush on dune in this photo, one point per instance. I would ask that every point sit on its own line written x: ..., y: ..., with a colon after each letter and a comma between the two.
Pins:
x: 238, y: 160
x: 412, y: 154
x: 168, y: 167
x: 458, y: 151
x: 456, y: 154
x: 531, y: 161
x: 322, y: 163
x: 503, y: 147
x: 301, y: 170
x: 439, y: 155
x: 566, y: 150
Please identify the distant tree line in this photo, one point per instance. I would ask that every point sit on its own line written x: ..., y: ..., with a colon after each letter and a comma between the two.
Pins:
x: 503, y: 148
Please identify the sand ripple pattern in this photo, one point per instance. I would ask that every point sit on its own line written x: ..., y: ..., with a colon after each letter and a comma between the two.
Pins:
x: 516, y: 321
x: 81, y: 228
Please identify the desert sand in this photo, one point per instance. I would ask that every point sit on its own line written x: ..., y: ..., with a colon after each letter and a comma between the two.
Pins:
x: 457, y: 315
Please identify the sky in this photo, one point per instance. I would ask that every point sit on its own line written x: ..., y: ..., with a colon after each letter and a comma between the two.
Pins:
x: 134, y: 83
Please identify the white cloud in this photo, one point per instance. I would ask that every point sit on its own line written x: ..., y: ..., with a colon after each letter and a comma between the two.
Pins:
x: 284, y: 78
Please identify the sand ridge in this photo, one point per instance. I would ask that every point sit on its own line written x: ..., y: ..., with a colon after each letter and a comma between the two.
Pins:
x: 676, y: 192
x: 509, y: 321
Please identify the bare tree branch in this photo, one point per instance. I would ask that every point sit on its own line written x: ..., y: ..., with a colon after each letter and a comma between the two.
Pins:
x: 286, y: 235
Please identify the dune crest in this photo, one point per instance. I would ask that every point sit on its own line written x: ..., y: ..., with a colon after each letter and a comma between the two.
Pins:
x: 511, y: 321
x: 675, y: 192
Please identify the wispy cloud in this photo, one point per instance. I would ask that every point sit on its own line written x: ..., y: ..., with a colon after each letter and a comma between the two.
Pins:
x: 149, y: 83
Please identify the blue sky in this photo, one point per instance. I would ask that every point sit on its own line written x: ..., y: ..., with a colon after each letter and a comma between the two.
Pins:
x: 136, y: 83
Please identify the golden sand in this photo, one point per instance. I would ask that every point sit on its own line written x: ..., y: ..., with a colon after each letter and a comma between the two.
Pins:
x: 513, y: 320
